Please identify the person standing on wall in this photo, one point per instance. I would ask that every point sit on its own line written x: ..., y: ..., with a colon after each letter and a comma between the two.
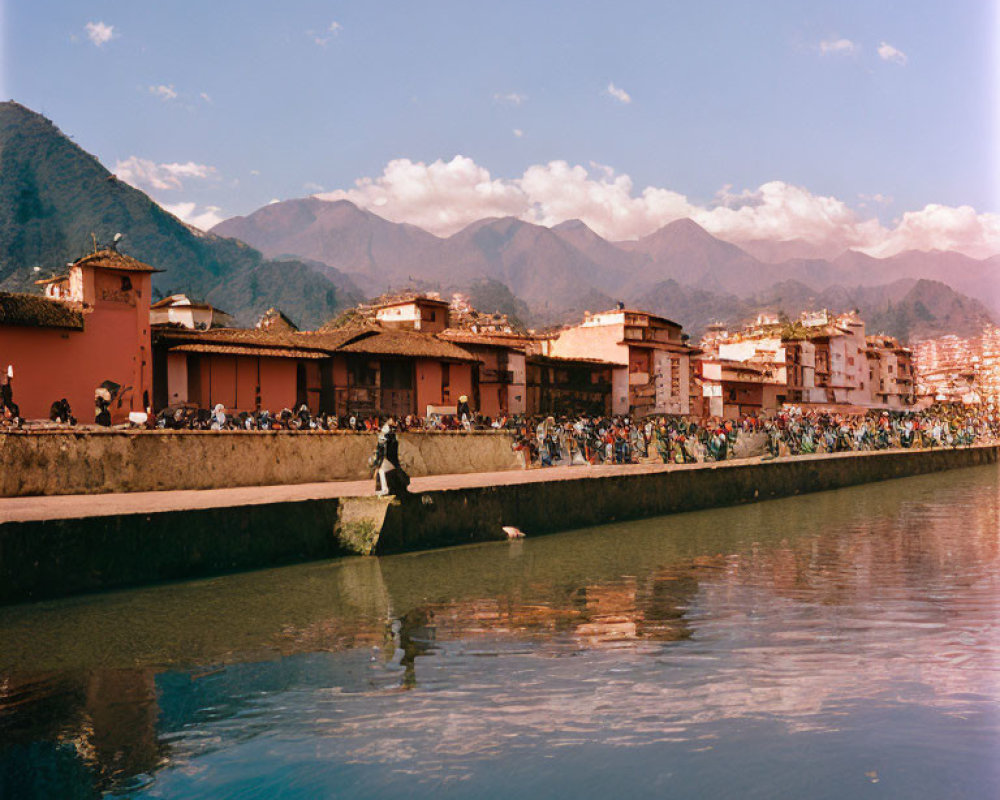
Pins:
x: 464, y: 412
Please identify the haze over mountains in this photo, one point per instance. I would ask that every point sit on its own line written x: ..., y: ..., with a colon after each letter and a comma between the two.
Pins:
x: 313, y: 258
x: 680, y: 271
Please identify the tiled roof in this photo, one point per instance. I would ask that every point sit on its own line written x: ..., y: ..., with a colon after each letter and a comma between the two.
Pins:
x: 34, y: 311
x: 112, y: 259
x: 325, y: 342
x: 394, y: 342
x: 245, y: 350
x: 462, y: 337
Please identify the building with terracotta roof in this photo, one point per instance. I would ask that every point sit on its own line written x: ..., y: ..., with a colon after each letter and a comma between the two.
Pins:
x: 500, y: 387
x: 91, y: 325
x: 245, y: 369
x: 890, y: 373
x: 654, y: 350
x: 365, y: 369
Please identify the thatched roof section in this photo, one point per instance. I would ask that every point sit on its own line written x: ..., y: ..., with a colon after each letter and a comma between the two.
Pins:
x: 112, y: 259
x: 274, y: 319
x: 352, y: 318
x: 319, y: 342
x: 396, y: 342
x: 217, y: 348
x: 512, y: 341
x: 34, y: 311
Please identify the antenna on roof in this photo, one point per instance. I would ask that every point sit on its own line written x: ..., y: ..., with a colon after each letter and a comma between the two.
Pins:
x: 93, y: 236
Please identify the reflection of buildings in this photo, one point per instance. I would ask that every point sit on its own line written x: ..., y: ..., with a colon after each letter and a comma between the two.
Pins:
x: 813, y: 607
x: 593, y: 615
x: 100, y: 727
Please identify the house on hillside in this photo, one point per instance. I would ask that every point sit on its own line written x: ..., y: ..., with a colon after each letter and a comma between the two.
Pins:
x: 275, y: 319
x: 418, y: 312
x: 178, y: 309
x: 91, y: 325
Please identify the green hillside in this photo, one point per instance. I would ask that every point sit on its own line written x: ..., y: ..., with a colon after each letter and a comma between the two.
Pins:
x: 54, y: 195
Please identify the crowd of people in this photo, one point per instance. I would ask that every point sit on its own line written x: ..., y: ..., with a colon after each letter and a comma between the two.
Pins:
x: 792, y: 431
x: 587, y: 439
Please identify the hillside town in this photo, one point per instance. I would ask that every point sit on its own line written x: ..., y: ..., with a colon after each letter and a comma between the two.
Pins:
x: 94, y: 336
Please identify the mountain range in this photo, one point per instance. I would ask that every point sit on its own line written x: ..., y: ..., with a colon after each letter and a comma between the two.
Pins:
x: 314, y: 258
x: 680, y: 270
x: 54, y: 196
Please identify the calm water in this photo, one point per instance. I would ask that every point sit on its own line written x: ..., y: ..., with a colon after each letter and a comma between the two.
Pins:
x: 840, y: 645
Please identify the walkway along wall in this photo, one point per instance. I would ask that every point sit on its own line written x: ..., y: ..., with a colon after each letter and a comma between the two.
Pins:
x: 97, y: 462
x: 65, y: 556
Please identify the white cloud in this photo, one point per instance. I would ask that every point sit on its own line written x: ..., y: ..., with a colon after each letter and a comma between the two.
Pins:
x: 99, y: 33
x: 441, y: 197
x: 838, y: 46
x: 204, y: 218
x: 889, y: 53
x: 618, y: 94
x: 445, y: 196
x: 937, y: 227
x: 147, y: 175
x: 163, y: 92
x: 206, y: 97
x: 518, y: 133
x: 312, y: 188
x: 324, y: 38
x: 510, y: 98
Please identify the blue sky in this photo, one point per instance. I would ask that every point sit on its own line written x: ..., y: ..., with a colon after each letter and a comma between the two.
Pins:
x: 887, y: 107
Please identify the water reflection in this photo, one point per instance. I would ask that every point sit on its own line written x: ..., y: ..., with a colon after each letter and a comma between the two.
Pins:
x: 720, y: 642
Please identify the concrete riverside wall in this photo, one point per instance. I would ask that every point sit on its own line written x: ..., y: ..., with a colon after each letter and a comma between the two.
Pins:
x: 450, y: 517
x: 65, y: 556
x: 97, y: 462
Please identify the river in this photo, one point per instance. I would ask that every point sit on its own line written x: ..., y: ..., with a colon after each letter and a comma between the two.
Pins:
x: 836, y: 645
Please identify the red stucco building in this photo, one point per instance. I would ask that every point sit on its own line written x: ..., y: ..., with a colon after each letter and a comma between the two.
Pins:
x: 91, y: 326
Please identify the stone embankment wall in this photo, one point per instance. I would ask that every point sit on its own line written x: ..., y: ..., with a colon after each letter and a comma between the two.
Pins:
x: 52, y: 557
x: 449, y: 517
x: 97, y: 462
